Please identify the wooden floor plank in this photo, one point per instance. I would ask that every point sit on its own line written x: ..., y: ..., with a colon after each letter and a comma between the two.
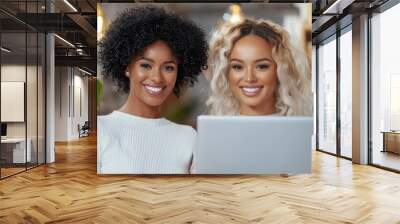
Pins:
x: 70, y: 191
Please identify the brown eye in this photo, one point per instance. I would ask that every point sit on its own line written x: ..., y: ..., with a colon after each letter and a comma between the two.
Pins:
x: 145, y: 66
x: 262, y: 67
x: 237, y: 67
x: 169, y: 68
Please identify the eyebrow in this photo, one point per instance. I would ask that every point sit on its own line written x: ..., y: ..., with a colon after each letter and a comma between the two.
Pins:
x: 151, y: 60
x: 261, y: 59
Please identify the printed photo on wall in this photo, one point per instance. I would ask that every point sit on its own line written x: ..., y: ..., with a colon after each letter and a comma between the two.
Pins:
x: 196, y: 88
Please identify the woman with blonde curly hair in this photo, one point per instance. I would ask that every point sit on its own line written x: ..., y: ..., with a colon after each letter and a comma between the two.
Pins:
x: 256, y: 71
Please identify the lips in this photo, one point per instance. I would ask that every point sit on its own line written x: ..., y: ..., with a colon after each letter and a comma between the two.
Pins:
x: 153, y: 89
x: 251, y: 90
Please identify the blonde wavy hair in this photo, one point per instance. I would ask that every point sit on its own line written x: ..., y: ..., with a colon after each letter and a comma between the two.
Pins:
x: 293, y: 94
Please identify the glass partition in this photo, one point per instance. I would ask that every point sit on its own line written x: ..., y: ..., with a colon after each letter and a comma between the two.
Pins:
x: 346, y: 93
x: 31, y: 99
x: 22, y: 77
x: 41, y: 97
x: 385, y: 89
x: 327, y: 95
x: 14, y: 153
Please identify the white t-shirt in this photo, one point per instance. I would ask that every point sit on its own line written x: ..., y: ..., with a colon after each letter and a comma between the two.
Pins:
x: 128, y: 144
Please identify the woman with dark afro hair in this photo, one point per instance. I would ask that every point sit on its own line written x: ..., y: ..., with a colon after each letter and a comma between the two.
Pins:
x: 149, y: 53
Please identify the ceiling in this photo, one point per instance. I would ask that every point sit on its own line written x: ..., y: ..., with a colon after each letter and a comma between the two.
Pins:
x: 330, y: 15
x: 76, y: 25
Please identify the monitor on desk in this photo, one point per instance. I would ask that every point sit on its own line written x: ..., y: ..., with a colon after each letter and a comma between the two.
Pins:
x: 3, y: 130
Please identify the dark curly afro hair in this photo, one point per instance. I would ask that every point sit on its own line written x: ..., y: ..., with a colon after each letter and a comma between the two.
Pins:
x: 137, y: 28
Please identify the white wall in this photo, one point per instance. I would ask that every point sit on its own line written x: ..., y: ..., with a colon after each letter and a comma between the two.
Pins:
x: 33, y: 126
x: 61, y: 103
x: 12, y: 99
x: 16, y: 72
x: 70, y: 83
x: 80, y: 97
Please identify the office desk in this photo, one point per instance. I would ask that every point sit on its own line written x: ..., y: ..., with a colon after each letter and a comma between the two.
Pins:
x: 391, y: 141
x: 13, y: 150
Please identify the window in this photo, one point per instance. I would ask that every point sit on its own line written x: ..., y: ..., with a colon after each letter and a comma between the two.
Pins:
x: 346, y: 93
x: 327, y: 96
x: 385, y: 89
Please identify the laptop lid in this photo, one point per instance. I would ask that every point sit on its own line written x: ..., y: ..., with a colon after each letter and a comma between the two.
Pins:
x: 253, y: 145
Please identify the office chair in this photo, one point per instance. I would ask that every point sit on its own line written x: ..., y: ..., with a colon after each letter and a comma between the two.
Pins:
x: 84, y: 130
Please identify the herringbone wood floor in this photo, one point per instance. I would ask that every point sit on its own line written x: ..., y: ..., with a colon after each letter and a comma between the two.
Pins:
x: 70, y: 191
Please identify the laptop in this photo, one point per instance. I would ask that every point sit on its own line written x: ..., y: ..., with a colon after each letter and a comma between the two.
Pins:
x: 253, y: 145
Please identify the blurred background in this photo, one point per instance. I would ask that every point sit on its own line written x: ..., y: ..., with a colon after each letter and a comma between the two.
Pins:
x: 294, y: 17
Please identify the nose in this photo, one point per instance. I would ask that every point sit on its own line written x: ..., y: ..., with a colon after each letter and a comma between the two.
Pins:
x: 156, y: 76
x: 250, y: 76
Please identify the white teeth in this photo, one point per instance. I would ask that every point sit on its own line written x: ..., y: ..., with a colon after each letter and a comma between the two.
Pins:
x: 251, y: 89
x: 154, y: 89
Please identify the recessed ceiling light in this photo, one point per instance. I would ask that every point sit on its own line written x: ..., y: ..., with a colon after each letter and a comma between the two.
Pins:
x: 5, y: 49
x: 64, y: 40
x: 337, y: 7
x: 84, y: 71
x: 70, y: 5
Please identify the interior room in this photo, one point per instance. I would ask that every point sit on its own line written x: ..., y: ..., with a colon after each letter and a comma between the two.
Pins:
x: 333, y: 55
x: 385, y: 90
x: 32, y: 94
x: 22, y: 96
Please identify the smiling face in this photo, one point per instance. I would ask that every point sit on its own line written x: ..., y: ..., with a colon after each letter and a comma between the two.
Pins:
x: 252, y: 74
x: 153, y: 75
